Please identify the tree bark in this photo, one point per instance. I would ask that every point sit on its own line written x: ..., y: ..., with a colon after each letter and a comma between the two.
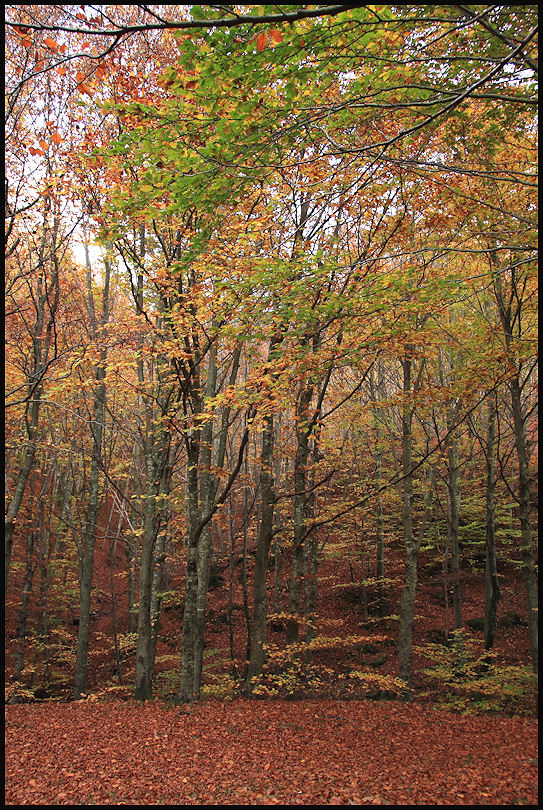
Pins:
x: 86, y: 563
x: 492, y: 585
x: 510, y: 317
x: 407, y: 602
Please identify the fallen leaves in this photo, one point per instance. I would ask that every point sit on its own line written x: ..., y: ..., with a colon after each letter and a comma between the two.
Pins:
x: 241, y: 753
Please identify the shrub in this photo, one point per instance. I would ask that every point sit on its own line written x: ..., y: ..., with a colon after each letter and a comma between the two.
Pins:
x: 477, y: 684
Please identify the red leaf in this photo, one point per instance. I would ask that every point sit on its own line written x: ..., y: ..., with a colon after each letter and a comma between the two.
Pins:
x: 261, y: 41
x: 276, y: 35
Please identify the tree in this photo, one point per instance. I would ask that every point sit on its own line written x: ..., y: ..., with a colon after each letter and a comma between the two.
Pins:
x: 324, y: 228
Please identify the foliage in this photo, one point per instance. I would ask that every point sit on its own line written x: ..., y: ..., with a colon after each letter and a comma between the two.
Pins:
x: 311, y: 752
x: 294, y: 207
x: 223, y: 687
x: 475, y: 683
x: 292, y: 672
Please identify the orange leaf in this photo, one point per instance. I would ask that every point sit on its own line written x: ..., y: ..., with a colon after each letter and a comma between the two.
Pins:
x: 44, y: 144
x: 261, y: 41
x: 61, y: 71
x: 51, y: 43
x: 276, y: 35
x: 56, y: 138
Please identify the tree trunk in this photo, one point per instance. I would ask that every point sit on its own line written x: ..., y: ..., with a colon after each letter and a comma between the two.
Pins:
x: 25, y: 606
x: 378, y: 392
x: 492, y: 586
x: 86, y: 566
x: 207, y: 496
x: 527, y: 550
x: 47, y: 297
x: 265, y: 533
x: 453, y: 522
x: 511, y: 319
x: 186, y: 687
x: 300, y: 511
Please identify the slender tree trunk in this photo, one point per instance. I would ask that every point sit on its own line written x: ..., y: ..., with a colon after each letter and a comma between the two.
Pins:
x: 46, y: 573
x: 407, y: 602
x: 144, y: 664
x: 511, y: 320
x: 453, y: 497
x: 47, y: 297
x: 244, y: 586
x: 363, y: 573
x: 412, y: 543
x: 527, y: 550
x: 186, y: 687
x: 207, y: 496
x: 492, y: 585
x: 267, y: 496
x: 453, y: 522
x: 378, y: 392
x: 22, y: 478
x: 300, y: 511
x: 313, y: 551
x: 264, y: 538
x: 25, y: 605
x: 231, y: 537
x: 86, y: 567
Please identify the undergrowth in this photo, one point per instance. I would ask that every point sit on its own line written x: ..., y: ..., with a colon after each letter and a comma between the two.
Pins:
x: 474, y: 683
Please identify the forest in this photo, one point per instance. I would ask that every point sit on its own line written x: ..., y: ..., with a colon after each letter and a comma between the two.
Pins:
x: 271, y: 403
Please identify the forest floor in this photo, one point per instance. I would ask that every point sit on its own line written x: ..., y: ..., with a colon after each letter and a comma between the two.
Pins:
x: 242, y: 751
